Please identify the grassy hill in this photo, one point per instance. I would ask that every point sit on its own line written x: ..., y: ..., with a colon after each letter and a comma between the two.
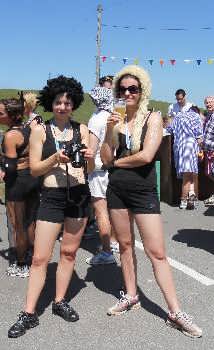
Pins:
x: 83, y: 113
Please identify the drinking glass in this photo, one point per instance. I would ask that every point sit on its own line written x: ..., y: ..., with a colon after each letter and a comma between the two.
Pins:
x: 120, y: 106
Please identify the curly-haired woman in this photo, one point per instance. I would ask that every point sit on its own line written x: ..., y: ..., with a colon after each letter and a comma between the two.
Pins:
x: 21, y: 189
x: 65, y: 196
x: 132, y: 193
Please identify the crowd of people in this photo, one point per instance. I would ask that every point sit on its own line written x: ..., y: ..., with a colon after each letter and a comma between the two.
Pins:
x: 57, y: 171
x: 193, y: 141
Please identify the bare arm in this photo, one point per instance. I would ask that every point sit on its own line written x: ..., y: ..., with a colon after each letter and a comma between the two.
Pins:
x: 12, y: 139
x: 9, y: 164
x: 108, y: 148
x: 151, y: 144
x: 93, y: 142
x: 40, y: 167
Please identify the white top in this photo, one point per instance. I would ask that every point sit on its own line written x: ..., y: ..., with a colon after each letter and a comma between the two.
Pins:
x: 175, y: 108
x: 97, y: 125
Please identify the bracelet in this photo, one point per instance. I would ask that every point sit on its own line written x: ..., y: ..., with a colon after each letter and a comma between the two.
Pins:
x: 109, y: 165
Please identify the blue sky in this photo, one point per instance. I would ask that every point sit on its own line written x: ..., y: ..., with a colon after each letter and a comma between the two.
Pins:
x: 45, y: 37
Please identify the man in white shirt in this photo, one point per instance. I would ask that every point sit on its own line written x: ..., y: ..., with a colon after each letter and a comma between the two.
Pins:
x: 98, y: 179
x: 180, y: 106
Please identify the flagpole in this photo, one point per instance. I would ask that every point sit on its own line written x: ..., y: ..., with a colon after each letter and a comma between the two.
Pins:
x: 98, y: 41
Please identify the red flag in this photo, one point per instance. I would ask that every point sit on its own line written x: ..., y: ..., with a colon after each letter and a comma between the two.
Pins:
x: 103, y: 58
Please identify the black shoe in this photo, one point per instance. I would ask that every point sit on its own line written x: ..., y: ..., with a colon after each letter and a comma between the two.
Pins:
x: 25, y: 321
x: 64, y: 310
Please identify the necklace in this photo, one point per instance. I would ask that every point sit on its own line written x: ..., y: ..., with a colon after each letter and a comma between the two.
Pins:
x: 63, y: 135
x: 128, y: 136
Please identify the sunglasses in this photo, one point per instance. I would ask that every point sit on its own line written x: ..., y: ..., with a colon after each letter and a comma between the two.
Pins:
x: 133, y: 89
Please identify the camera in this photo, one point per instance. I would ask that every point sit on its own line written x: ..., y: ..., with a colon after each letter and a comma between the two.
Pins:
x: 73, y: 151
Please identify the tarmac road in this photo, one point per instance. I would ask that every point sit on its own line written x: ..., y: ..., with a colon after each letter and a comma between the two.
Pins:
x: 190, y: 248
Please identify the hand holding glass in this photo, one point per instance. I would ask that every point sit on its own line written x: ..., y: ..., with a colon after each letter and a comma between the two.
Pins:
x: 120, y: 106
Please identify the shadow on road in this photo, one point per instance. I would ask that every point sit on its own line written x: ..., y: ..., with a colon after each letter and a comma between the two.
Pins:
x: 107, y: 278
x: 48, y: 293
x: 209, y: 211
x: 5, y: 253
x: 203, y: 239
x: 150, y: 306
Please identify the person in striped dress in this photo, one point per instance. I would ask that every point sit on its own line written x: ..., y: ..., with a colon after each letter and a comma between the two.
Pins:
x: 187, y: 130
x: 208, y: 144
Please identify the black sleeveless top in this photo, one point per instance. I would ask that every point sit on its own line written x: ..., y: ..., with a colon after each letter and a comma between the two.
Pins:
x: 142, y: 177
x: 23, y: 150
x: 49, y: 146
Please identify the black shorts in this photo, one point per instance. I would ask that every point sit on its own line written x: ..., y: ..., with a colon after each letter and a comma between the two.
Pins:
x: 54, y: 206
x: 22, y: 187
x: 137, y: 200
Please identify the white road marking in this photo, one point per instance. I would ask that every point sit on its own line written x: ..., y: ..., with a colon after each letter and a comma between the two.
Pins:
x: 185, y: 269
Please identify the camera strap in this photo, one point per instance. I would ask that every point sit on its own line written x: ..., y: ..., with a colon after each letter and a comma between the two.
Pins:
x: 76, y: 139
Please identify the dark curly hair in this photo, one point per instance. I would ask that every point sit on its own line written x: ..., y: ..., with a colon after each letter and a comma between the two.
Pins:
x: 14, y: 109
x: 59, y: 86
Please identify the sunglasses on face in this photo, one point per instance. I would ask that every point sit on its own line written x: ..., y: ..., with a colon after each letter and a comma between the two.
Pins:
x: 133, y: 89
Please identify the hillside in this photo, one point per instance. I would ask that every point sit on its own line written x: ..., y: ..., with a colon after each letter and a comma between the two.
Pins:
x: 83, y: 113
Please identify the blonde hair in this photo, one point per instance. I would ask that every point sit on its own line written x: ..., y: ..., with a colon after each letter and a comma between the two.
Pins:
x: 142, y: 112
x: 30, y: 100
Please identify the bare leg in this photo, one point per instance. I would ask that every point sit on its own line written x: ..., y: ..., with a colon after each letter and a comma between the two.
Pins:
x: 186, y: 185
x: 32, y: 204
x: 151, y: 231
x: 72, y: 235
x: 21, y: 232
x: 195, y: 184
x: 113, y: 235
x: 122, y: 222
x: 31, y: 233
x: 45, y: 237
x: 103, y: 222
x: 11, y: 221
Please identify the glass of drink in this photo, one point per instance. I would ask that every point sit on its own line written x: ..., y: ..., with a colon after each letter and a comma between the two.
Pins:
x: 120, y: 106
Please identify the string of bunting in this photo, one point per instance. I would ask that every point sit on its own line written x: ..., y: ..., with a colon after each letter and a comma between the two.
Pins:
x: 161, y: 61
x: 144, y: 28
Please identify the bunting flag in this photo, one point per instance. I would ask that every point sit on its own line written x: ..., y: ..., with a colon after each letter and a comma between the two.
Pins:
x: 123, y: 27
x: 161, y: 62
x: 115, y: 26
x: 210, y: 60
x: 136, y: 61
x: 174, y: 29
